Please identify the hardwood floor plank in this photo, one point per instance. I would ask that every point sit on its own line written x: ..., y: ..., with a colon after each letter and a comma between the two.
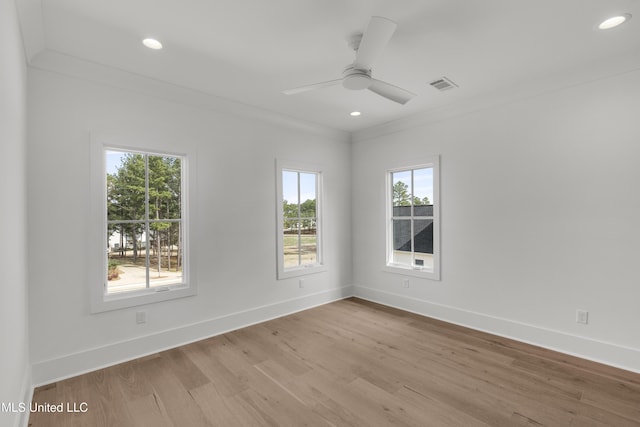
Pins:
x: 279, y: 409
x: 146, y: 412
x: 360, y: 410
x: 171, y: 396
x: 437, y: 413
x: 220, y: 367
x: 619, y: 390
x: 626, y: 406
x: 221, y: 410
x: 130, y: 382
x: 183, y: 367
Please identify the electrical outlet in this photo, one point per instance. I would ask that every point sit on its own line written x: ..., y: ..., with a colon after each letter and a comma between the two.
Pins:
x: 141, y: 317
x: 301, y: 283
x: 405, y: 283
x: 582, y: 316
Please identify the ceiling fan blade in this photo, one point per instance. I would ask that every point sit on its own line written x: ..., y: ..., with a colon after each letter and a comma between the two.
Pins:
x: 389, y: 91
x: 311, y: 87
x: 374, y: 40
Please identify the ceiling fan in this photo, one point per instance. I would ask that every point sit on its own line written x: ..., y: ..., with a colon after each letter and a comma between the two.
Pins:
x: 357, y: 76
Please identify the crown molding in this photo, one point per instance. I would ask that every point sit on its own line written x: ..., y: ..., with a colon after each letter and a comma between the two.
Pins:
x: 53, y: 61
x: 31, y: 27
x: 558, y: 81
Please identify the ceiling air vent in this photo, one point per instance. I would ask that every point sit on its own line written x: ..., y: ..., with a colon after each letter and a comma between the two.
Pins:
x: 443, y: 83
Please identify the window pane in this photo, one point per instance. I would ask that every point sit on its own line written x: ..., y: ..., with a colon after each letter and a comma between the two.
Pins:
x: 423, y: 236
x: 126, y: 239
x: 423, y: 192
x: 401, y: 242
x: 164, y: 187
x: 307, y: 194
x: 125, y: 185
x: 165, y: 263
x: 290, y: 225
x: 423, y: 243
x: 307, y: 225
x: 402, y: 235
x: 173, y: 252
x: 401, y: 188
x: 126, y: 267
x: 291, y: 245
x: 308, y: 208
x: 290, y: 193
x: 309, y: 246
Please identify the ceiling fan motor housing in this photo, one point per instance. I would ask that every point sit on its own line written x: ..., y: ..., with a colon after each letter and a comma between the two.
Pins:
x: 356, y: 79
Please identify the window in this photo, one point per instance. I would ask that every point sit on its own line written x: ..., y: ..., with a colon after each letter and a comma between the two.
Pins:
x: 412, y: 225
x: 143, y: 228
x: 299, y: 220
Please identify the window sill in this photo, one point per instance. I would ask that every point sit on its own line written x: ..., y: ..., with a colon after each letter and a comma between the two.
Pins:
x: 301, y: 271
x: 136, y: 298
x: 414, y: 272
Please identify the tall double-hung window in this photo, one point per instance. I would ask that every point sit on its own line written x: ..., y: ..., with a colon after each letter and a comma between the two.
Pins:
x: 145, y: 256
x: 413, y: 237
x: 299, y: 219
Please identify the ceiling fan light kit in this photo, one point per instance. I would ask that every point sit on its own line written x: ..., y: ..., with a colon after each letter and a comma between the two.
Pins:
x: 355, y: 79
x: 357, y: 76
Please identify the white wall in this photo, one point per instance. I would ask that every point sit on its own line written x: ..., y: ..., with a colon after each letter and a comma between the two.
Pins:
x: 540, y: 216
x: 234, y: 232
x: 14, y: 350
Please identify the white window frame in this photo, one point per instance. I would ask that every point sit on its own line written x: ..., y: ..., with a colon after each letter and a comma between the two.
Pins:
x: 416, y: 271
x: 100, y: 300
x: 319, y: 266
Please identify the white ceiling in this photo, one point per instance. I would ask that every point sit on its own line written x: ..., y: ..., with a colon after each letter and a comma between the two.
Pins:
x: 251, y: 50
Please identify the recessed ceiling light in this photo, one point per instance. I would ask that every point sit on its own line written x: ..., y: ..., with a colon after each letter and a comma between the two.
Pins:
x: 614, y: 21
x: 355, y: 113
x: 152, y: 44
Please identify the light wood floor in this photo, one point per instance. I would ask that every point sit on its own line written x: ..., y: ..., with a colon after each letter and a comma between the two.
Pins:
x: 350, y: 363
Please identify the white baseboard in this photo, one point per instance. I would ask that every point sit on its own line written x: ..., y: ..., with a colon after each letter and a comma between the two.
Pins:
x: 67, y: 366
x: 49, y: 371
x: 586, y: 348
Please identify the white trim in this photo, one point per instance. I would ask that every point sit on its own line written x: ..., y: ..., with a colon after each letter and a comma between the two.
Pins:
x: 27, y: 395
x: 101, y: 302
x: 31, y: 27
x: 319, y: 266
x: 424, y: 162
x: 70, y: 365
x: 607, y: 353
x: 413, y: 272
x: 576, y: 77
